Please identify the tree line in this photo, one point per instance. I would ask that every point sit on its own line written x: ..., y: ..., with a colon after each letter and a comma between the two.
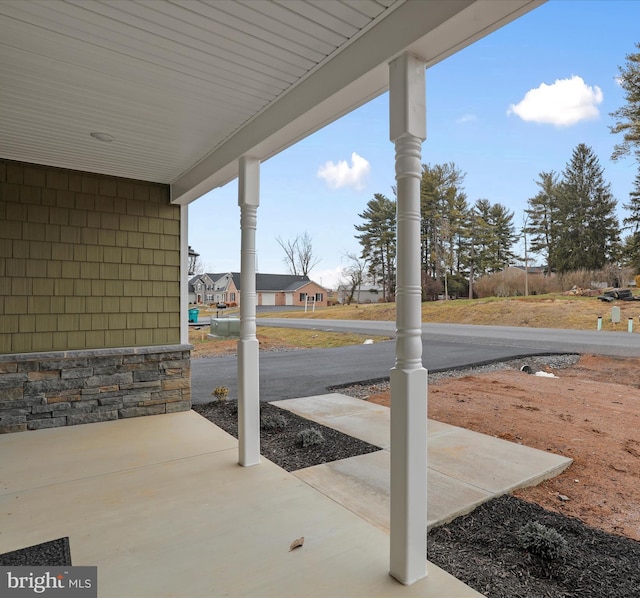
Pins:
x: 571, y: 222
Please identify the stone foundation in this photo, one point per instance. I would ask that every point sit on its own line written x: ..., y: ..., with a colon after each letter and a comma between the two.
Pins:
x: 64, y: 388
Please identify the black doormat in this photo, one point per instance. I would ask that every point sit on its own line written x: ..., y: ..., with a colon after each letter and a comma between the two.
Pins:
x: 55, y: 553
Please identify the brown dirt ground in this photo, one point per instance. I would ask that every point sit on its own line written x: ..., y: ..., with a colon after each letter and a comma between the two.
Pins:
x: 590, y: 413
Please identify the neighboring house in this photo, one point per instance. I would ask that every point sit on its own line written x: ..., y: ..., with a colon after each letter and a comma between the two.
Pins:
x: 542, y: 270
x: 271, y: 289
x: 366, y: 293
x: 211, y: 288
x: 289, y: 289
x: 200, y: 289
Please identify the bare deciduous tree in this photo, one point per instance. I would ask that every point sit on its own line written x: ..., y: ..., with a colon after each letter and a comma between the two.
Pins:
x: 298, y: 254
x: 289, y: 248
x: 354, y: 275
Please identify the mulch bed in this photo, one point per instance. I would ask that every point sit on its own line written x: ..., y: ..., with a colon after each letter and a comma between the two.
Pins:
x: 55, y: 553
x: 281, y: 446
x: 481, y: 548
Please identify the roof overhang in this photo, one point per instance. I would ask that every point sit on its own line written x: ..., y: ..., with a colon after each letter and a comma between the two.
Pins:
x: 188, y: 87
x: 431, y: 29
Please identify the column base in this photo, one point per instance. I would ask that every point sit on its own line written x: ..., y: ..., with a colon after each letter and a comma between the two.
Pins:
x: 248, y: 403
x: 408, y: 512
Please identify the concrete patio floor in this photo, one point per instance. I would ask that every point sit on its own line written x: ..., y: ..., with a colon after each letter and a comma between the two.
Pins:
x: 160, y: 505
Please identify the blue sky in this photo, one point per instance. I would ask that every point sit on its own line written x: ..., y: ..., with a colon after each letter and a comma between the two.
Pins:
x: 487, y: 110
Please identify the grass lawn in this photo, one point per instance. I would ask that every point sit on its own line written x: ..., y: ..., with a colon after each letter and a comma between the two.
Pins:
x: 275, y: 339
x: 541, y: 311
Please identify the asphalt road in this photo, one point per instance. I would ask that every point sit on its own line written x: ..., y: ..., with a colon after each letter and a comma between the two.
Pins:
x: 292, y: 374
x: 544, y: 339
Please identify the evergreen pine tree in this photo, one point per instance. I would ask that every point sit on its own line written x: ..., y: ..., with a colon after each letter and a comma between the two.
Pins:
x: 504, y: 237
x: 588, y: 228
x: 378, y: 241
x: 633, y: 220
x: 442, y: 204
x: 631, y: 247
x: 628, y: 116
x: 483, y: 240
x: 542, y: 213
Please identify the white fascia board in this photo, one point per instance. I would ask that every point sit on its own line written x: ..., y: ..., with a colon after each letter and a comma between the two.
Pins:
x: 480, y: 19
x: 432, y: 29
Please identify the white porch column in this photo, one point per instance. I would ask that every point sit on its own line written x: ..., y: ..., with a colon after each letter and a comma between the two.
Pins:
x: 408, y: 517
x: 248, y: 367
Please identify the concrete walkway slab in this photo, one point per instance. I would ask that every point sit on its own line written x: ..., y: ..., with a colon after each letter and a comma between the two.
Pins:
x: 490, y: 463
x: 362, y: 485
x: 449, y: 497
x: 168, y: 512
x: 359, y: 483
x: 465, y: 468
x: 355, y: 417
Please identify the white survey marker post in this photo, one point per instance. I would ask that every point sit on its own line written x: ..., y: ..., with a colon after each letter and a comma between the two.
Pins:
x: 408, y: 516
x: 248, y: 362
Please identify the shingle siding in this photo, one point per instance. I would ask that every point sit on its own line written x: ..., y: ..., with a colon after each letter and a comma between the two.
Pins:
x: 68, y: 241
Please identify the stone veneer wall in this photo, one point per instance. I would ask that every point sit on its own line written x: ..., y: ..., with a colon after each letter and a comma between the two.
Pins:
x: 47, y: 390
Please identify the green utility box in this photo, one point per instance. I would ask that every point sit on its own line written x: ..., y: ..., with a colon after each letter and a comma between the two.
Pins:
x: 225, y: 327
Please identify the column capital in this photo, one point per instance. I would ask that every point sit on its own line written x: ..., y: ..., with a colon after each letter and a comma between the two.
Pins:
x: 407, y: 98
x: 248, y: 181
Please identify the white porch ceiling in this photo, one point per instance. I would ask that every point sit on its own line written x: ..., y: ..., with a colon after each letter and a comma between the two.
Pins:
x: 186, y: 87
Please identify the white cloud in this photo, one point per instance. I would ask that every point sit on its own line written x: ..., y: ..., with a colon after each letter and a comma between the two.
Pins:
x: 563, y: 103
x: 466, y: 118
x: 342, y: 175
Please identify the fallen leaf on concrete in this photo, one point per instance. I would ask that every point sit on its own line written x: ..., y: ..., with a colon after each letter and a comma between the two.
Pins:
x: 296, y: 543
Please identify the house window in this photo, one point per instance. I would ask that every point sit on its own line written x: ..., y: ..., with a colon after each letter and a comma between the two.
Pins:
x: 303, y: 297
x: 233, y: 296
x: 318, y: 296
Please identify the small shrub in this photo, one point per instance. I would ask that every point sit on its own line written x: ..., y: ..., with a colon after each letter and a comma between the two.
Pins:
x: 221, y: 393
x: 309, y: 437
x: 542, y: 541
x: 272, y: 422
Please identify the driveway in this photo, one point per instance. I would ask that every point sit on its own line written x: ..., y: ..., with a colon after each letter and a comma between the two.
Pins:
x: 294, y: 374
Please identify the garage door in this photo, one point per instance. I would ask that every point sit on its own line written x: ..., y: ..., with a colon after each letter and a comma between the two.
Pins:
x: 268, y: 299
